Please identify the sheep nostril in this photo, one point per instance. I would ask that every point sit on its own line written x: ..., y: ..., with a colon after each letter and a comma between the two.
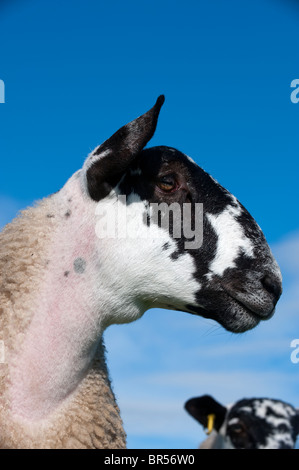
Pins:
x: 272, y: 285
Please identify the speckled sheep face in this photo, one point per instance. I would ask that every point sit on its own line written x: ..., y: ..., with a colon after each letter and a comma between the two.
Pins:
x: 219, y: 266
x: 251, y: 423
x: 262, y: 423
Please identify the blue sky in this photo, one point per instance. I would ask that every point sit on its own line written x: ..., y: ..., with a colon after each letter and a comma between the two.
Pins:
x: 76, y: 71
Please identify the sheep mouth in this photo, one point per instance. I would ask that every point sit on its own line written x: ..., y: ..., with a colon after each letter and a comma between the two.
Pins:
x: 246, y: 316
x: 263, y: 313
x: 234, y: 317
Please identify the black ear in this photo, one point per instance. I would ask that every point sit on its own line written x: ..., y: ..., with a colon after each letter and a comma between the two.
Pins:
x: 201, y: 407
x: 107, y: 163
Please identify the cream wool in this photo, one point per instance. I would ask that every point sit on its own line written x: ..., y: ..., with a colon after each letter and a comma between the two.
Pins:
x: 55, y: 390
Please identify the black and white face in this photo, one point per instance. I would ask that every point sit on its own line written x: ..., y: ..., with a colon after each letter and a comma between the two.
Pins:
x: 261, y: 423
x: 251, y: 423
x: 238, y: 280
x: 228, y: 273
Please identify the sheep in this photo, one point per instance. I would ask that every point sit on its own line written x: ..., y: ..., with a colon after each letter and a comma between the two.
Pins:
x: 65, y: 276
x: 250, y: 423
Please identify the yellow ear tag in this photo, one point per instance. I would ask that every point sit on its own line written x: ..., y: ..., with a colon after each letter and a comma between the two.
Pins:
x: 211, y: 419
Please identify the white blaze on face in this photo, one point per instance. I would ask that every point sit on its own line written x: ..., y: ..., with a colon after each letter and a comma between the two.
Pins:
x: 231, y: 240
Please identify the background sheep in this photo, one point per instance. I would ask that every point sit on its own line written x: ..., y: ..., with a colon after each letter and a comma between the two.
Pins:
x: 255, y: 423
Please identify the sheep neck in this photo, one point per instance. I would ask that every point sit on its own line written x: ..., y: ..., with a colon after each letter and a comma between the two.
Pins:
x: 66, y: 325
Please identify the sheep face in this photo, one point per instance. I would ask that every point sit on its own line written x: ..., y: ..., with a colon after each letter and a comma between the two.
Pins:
x: 196, y: 247
x: 255, y: 423
x: 262, y: 423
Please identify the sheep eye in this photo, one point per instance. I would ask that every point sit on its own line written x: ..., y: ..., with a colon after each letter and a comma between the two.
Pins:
x: 167, y: 183
x: 237, y: 429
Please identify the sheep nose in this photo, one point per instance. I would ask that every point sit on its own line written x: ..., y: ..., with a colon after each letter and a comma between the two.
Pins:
x: 273, y: 286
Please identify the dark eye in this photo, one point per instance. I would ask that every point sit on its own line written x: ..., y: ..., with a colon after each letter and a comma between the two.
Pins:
x: 167, y: 183
x: 236, y: 429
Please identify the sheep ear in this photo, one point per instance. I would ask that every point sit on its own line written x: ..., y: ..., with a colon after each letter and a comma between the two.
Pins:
x: 201, y: 407
x: 105, y: 166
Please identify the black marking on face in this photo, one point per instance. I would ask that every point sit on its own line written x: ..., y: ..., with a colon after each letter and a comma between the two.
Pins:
x: 66, y: 273
x: 79, y: 265
x: 148, y: 174
x: 50, y: 216
x: 166, y: 246
x: 68, y: 213
x: 193, y: 185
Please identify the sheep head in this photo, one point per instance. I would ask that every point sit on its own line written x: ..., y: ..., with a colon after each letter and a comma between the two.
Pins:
x: 194, y: 246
